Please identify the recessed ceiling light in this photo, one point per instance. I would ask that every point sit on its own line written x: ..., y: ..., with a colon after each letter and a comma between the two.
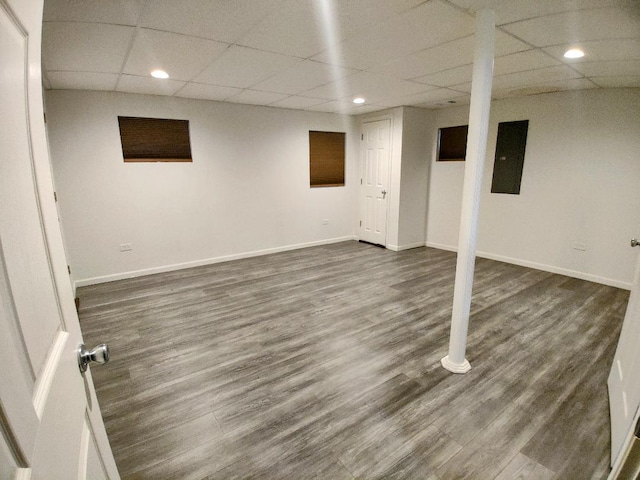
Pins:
x: 574, y: 53
x: 159, y: 74
x: 358, y: 101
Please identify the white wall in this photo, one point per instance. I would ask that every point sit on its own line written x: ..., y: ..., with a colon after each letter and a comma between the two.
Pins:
x: 581, y: 183
x: 418, y: 135
x: 246, y: 192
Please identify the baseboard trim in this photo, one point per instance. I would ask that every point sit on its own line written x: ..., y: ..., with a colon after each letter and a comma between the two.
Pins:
x: 540, y: 266
x: 409, y: 246
x: 207, y: 261
x: 442, y: 246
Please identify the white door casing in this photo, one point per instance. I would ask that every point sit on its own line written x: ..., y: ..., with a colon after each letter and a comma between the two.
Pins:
x: 624, y: 378
x: 49, y: 416
x: 374, y: 177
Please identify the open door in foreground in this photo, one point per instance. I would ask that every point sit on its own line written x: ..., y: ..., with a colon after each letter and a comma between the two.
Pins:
x: 49, y: 416
x: 624, y: 379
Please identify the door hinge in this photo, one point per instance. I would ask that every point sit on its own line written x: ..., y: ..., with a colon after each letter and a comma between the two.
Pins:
x: 55, y: 196
x: 360, y: 181
x: 360, y: 222
x: 362, y: 136
x: 69, y: 269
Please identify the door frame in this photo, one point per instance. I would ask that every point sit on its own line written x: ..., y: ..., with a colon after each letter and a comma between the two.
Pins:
x: 372, y: 119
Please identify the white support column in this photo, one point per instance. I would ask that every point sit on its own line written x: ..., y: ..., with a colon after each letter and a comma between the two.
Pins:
x: 482, y: 78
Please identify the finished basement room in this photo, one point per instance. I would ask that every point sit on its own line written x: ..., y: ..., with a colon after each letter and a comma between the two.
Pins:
x: 328, y: 239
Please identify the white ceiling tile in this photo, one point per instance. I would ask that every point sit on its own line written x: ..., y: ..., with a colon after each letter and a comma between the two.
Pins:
x: 306, y: 27
x: 148, y: 85
x: 517, y: 62
x: 425, y: 26
x: 394, y: 98
x: 411, y: 48
x: 369, y: 85
x: 88, y: 47
x: 207, y: 92
x: 255, y: 97
x: 295, y: 29
x: 439, y: 97
x: 451, y: 54
x: 329, y: 91
x: 508, y: 11
x: 582, y: 25
x: 446, y: 56
x: 609, y: 69
x: 303, y: 76
x: 446, y: 78
x: 617, y: 49
x: 521, y: 61
x: 118, y: 12
x: 618, y: 82
x: 372, y: 86
x: 345, y: 108
x: 82, y: 80
x: 527, y: 78
x: 331, y: 107
x: 298, y: 102
x: 506, y: 44
x: 243, y: 67
x: 534, y: 77
x: 543, y: 87
x: 222, y: 20
x: 182, y: 57
x: 463, y: 87
x: 349, y: 17
x: 352, y: 109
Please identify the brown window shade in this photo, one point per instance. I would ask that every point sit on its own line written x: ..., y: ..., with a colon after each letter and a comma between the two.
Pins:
x: 326, y: 159
x: 154, y: 140
x: 452, y: 143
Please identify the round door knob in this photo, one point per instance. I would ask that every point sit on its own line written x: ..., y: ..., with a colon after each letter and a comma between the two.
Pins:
x: 635, y: 242
x: 100, y: 355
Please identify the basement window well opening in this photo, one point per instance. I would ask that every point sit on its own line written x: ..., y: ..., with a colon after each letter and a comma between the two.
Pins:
x: 326, y: 159
x: 452, y: 143
x: 154, y: 139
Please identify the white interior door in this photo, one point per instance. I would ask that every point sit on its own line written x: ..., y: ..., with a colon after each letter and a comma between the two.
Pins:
x: 49, y: 415
x: 624, y: 379
x: 374, y: 180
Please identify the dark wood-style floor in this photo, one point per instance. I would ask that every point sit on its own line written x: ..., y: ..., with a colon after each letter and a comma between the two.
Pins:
x: 325, y: 363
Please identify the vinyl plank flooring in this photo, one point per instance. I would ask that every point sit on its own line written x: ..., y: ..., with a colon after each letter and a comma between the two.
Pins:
x: 325, y: 363
x: 523, y: 468
x: 547, y: 388
x: 576, y: 423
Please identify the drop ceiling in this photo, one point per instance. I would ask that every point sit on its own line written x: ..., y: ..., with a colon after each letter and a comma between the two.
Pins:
x: 320, y: 54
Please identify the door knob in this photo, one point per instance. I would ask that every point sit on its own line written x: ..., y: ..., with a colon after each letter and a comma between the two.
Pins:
x: 100, y: 355
x: 384, y: 193
x: 635, y: 242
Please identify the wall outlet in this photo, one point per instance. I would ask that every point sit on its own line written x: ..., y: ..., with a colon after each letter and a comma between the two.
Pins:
x: 325, y: 221
x: 580, y: 246
x: 126, y: 247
